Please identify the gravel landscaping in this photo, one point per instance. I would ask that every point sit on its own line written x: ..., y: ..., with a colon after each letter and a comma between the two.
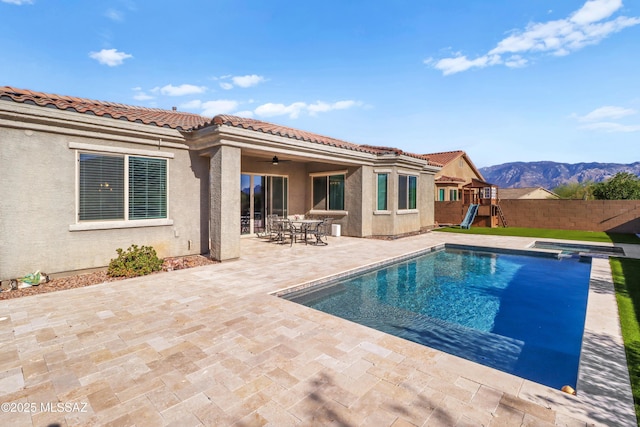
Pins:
x: 81, y: 280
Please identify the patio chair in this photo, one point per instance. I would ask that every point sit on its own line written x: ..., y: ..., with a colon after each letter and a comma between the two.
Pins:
x: 321, y: 231
x: 244, y: 224
x: 269, y: 231
x: 298, y: 231
x: 284, y: 230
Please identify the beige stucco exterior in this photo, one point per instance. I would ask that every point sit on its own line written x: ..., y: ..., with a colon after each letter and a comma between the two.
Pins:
x: 38, y: 215
x: 454, y: 174
x: 39, y: 226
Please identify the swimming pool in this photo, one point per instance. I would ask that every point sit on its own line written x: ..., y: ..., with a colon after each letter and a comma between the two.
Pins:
x: 576, y: 248
x: 499, y: 309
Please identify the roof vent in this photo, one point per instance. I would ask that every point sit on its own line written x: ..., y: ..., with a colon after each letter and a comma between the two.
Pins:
x: 174, y: 108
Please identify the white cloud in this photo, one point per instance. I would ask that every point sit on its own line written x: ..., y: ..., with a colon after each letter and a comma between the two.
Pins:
x: 240, y: 81
x: 220, y: 106
x: 595, y: 10
x: 461, y: 63
x: 244, y: 113
x: 587, y: 26
x: 184, y: 89
x: 140, y: 95
x: 110, y: 57
x: 295, y: 109
x: 601, y: 119
x: 516, y: 61
x: 612, y: 127
x: 606, y: 112
x: 114, y: 15
x: 18, y: 2
x: 247, y: 81
x: 321, y: 107
x: 271, y: 109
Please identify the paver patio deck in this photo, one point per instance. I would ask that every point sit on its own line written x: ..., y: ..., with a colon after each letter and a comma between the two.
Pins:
x: 211, y: 346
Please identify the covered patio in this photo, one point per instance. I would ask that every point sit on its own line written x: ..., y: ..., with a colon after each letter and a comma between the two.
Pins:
x: 367, y: 190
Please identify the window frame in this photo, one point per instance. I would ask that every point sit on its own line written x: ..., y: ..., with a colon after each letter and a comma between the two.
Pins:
x: 125, y: 222
x: 408, y: 206
x: 327, y: 196
x: 377, y: 209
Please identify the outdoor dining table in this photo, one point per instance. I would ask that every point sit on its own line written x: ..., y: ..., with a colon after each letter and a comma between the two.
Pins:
x: 306, y: 225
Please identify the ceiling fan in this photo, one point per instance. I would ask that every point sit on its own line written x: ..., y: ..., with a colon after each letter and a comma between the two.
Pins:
x: 275, y: 161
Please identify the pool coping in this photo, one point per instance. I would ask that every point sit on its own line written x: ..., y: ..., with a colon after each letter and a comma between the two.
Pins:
x: 604, y: 392
x: 328, y: 280
x: 607, y: 250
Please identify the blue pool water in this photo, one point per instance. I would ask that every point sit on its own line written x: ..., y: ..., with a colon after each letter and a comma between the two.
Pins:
x: 519, y: 314
x: 575, y: 248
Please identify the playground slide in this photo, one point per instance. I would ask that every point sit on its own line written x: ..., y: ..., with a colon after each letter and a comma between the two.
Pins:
x: 470, y: 216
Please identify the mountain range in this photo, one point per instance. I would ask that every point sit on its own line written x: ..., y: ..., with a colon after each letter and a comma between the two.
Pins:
x: 552, y: 174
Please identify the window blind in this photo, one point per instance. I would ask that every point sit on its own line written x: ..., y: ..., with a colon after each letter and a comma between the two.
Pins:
x: 147, y: 188
x: 101, y: 187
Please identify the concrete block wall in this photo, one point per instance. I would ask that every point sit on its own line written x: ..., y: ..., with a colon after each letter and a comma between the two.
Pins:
x: 449, y: 212
x: 616, y: 216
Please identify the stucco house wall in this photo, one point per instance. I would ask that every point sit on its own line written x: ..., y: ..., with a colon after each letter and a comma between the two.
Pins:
x: 426, y: 200
x: 457, y: 170
x: 43, y: 136
x: 460, y: 168
x: 39, y: 190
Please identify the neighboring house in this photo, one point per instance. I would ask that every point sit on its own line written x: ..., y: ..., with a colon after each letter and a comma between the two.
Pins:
x: 527, y: 193
x: 457, y: 171
x: 82, y: 178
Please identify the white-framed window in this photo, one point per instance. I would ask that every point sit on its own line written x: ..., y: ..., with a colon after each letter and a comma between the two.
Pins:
x: 327, y: 189
x: 407, y: 192
x: 453, y: 194
x: 121, y: 187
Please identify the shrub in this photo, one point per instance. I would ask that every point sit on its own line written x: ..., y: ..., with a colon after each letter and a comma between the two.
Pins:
x: 136, y: 261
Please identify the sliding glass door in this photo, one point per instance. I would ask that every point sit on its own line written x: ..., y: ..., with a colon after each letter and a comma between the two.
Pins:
x: 261, y: 196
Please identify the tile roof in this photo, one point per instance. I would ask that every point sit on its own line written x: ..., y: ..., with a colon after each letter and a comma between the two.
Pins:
x: 273, y: 129
x: 517, y: 193
x: 445, y: 178
x: 444, y: 157
x: 182, y: 120
x: 149, y: 116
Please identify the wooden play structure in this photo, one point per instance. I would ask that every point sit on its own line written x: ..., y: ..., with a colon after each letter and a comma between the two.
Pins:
x: 481, y: 202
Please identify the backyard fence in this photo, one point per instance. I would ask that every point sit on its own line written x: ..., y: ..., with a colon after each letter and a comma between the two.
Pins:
x: 615, y: 216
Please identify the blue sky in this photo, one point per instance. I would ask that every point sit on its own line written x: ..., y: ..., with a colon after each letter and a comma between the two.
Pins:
x: 504, y: 80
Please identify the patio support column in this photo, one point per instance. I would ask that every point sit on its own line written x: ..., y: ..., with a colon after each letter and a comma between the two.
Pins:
x: 224, y: 212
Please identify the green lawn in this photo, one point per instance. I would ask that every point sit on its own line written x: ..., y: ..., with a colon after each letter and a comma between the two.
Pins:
x: 589, y: 236
x: 626, y: 278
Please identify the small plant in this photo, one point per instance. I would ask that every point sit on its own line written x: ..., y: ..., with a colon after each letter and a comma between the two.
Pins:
x: 136, y: 261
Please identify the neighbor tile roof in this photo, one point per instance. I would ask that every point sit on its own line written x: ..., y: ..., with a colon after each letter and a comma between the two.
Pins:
x: 149, y: 116
x: 445, y: 178
x: 180, y: 120
x: 444, y: 157
x: 517, y: 193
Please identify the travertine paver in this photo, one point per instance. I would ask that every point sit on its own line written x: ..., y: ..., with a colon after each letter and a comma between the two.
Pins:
x: 211, y: 346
